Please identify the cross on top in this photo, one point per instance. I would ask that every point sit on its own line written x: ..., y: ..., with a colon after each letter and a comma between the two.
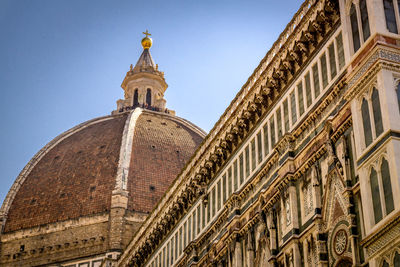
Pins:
x: 147, y: 33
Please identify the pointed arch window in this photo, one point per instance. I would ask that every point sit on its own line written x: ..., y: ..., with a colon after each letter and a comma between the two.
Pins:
x: 381, y: 190
x: 385, y: 264
x: 359, y: 23
x: 396, y: 261
x: 366, y: 122
x: 390, y: 16
x: 136, y: 97
x: 354, y: 28
x: 148, y: 97
x: 387, y: 186
x: 376, y: 200
x: 376, y: 107
x: 364, y: 19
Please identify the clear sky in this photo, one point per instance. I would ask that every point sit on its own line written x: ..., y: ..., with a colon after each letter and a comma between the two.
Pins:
x: 62, y: 61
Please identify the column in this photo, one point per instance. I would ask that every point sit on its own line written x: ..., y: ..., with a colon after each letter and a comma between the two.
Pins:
x: 293, y: 205
x: 315, y: 180
x: 305, y: 253
x: 238, y: 254
x: 296, y: 255
x: 250, y: 249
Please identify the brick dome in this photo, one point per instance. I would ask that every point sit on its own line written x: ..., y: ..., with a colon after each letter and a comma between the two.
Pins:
x: 74, y: 175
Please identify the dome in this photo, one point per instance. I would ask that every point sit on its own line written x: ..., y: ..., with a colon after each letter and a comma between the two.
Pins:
x: 82, y: 197
x: 75, y: 174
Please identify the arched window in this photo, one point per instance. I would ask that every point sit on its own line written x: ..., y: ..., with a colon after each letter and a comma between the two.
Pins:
x: 148, y: 97
x: 136, y: 98
x: 390, y: 16
x: 396, y: 261
x: 376, y: 108
x: 354, y: 28
x: 385, y: 264
x: 387, y: 186
x: 398, y: 95
x: 376, y: 199
x: 366, y: 122
x: 364, y: 19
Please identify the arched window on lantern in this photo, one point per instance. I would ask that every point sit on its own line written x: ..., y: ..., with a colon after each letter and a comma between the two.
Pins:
x: 136, y: 97
x: 148, y: 97
x: 354, y: 28
x: 390, y: 16
x: 376, y: 199
x: 376, y: 109
x: 366, y: 122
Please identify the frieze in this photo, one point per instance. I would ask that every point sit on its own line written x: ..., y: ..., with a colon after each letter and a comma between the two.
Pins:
x: 367, y: 72
x: 382, y: 237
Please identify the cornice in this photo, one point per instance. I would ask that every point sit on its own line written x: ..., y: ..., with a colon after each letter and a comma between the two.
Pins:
x: 382, y: 57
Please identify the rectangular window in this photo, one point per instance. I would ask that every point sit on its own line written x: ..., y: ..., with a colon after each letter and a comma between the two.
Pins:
x: 224, y: 188
x: 293, y: 107
x: 235, y: 175
x: 176, y: 245
x: 266, y: 141
x: 332, y: 60
x: 172, y: 249
x: 203, y: 216
x: 340, y: 50
x: 259, y: 147
x: 184, y: 235
x: 308, y: 89
x: 209, y: 208
x: 194, y: 224
x: 241, y: 171
x: 279, y: 122
x: 286, y: 114
x: 247, y: 151
x: 253, y: 154
x: 219, y: 195
x: 272, y: 130
x: 316, y: 80
x: 163, y: 257
x: 180, y: 241
x: 156, y: 261
x: 198, y: 219
x: 168, y: 255
x: 229, y: 181
x: 324, y: 70
x: 189, y: 229
x: 213, y: 200
x: 300, y: 98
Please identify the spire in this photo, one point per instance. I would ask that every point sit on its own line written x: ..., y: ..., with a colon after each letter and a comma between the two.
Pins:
x: 145, y: 62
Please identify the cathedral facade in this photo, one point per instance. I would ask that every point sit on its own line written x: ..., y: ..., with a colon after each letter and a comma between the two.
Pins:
x: 302, y: 169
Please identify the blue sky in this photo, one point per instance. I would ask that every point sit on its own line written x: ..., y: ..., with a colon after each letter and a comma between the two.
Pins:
x: 62, y: 61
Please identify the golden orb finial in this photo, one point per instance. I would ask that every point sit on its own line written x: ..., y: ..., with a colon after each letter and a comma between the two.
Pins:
x: 147, y: 41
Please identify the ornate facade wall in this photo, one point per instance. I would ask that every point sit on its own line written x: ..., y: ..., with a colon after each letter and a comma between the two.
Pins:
x: 303, y: 168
